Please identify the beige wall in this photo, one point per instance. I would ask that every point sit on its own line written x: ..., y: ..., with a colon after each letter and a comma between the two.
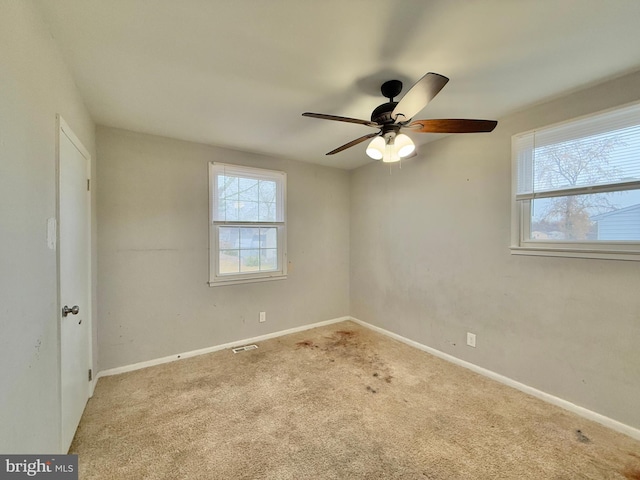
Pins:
x: 430, y: 260
x: 153, y: 296
x: 35, y: 85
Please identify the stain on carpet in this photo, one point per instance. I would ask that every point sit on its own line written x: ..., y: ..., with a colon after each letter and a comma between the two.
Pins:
x: 346, y: 333
x: 387, y: 378
x: 353, y: 346
x: 343, y: 338
x: 581, y: 437
x: 631, y: 473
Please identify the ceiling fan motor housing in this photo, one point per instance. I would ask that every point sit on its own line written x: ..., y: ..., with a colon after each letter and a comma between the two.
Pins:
x: 382, y: 113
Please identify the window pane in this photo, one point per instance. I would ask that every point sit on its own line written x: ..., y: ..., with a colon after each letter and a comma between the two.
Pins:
x: 248, y: 211
x: 600, y: 149
x: 227, y: 187
x: 250, y: 260
x: 222, y: 210
x: 228, y: 238
x: 269, y: 237
x: 267, y: 191
x: 600, y: 159
x: 231, y: 210
x: 227, y: 198
x: 597, y: 217
x: 267, y: 212
x: 269, y: 259
x: 249, y: 238
x: 248, y: 189
x: 246, y: 199
x: 229, y: 261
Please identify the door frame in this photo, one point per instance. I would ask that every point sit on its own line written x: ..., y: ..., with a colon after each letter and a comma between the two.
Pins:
x: 62, y: 128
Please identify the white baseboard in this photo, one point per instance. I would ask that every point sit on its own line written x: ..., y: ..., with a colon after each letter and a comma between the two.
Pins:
x: 583, y: 412
x: 202, y: 351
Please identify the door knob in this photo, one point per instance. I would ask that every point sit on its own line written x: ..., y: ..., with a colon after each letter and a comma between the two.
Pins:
x: 73, y: 310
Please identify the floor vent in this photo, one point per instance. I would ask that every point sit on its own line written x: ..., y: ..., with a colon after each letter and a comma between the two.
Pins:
x: 244, y: 349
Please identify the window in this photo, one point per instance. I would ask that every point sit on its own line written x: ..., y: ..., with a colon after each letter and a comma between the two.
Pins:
x: 577, y: 187
x: 247, y: 231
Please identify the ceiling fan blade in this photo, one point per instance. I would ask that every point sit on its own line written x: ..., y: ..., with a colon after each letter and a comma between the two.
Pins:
x: 353, y: 142
x: 418, y: 96
x: 452, y: 125
x: 341, y: 119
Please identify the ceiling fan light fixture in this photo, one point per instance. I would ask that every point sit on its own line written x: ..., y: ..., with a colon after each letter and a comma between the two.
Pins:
x: 376, y: 148
x: 390, y: 153
x: 404, y: 145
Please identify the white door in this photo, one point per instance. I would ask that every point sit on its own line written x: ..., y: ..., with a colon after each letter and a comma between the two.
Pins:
x: 75, y: 279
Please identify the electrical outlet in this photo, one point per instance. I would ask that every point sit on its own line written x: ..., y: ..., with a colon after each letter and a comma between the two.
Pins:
x: 263, y: 317
x: 471, y: 339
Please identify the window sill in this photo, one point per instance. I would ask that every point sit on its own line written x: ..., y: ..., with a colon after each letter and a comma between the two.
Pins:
x: 238, y: 281
x: 601, y: 254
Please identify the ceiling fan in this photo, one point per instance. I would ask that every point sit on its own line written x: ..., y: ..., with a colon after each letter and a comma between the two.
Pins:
x: 389, y: 145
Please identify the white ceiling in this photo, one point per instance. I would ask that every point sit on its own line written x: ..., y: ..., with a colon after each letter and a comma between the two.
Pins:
x: 239, y: 73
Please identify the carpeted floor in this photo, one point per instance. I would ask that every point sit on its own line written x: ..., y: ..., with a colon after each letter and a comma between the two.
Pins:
x: 337, y: 402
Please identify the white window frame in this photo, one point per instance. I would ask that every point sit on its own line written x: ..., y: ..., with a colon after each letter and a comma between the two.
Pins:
x: 522, y: 244
x: 215, y: 277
